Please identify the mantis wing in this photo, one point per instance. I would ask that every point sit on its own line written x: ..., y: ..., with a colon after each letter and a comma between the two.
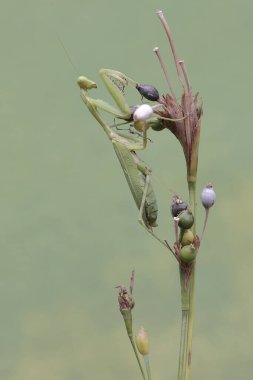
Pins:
x: 136, y: 179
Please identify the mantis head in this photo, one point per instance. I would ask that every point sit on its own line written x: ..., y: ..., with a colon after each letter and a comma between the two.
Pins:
x: 85, y: 83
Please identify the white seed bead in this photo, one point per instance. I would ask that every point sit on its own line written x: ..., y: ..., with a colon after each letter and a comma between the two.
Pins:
x: 144, y: 112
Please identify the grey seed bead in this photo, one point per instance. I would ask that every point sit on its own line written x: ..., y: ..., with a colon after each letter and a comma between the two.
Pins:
x: 208, y: 196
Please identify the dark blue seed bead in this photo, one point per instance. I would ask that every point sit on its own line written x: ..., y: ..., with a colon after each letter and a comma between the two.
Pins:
x: 148, y: 91
x: 178, y: 206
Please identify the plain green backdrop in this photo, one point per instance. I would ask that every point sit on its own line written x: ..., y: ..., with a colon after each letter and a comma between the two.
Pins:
x: 68, y: 224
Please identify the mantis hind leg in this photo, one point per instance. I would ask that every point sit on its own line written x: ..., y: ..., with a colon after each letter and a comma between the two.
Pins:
x: 140, y: 217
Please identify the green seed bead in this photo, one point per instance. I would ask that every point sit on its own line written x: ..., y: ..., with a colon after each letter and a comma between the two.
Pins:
x: 187, y: 237
x: 188, y: 253
x: 186, y: 219
x: 156, y: 125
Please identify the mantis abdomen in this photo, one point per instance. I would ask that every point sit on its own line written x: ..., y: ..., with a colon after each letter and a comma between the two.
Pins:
x: 136, y: 173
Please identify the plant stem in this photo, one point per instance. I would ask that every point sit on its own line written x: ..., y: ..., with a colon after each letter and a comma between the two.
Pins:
x: 190, y: 324
x: 191, y: 285
x: 137, y: 357
x: 187, y: 303
x: 184, y: 323
x: 146, y: 361
x: 192, y: 199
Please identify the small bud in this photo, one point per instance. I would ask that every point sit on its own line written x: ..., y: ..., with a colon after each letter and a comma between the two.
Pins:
x: 177, y: 206
x: 188, y: 253
x: 187, y: 237
x: 142, y: 342
x: 126, y: 301
x: 144, y: 112
x: 208, y: 196
x: 186, y: 219
x: 126, y: 304
x: 148, y: 91
x: 85, y: 83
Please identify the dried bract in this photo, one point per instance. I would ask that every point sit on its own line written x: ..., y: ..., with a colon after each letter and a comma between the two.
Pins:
x: 182, y: 118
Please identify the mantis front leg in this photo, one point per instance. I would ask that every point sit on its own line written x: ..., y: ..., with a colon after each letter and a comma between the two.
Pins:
x: 94, y: 105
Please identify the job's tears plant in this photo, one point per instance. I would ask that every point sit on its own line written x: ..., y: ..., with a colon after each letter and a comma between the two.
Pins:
x: 181, y: 116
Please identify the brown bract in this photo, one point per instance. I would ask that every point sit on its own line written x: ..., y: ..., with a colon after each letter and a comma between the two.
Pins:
x: 125, y: 299
x: 186, y: 127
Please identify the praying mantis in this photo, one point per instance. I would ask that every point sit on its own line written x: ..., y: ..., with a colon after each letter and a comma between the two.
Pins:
x: 137, y: 173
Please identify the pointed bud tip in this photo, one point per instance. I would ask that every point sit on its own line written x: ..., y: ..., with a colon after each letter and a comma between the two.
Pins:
x: 142, y: 341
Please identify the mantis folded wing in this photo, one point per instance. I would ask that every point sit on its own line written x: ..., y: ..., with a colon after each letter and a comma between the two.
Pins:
x: 137, y: 175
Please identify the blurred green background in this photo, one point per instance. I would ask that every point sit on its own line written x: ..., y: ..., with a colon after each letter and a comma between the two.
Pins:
x: 68, y: 225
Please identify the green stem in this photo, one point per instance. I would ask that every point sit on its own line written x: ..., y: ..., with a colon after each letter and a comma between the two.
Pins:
x: 184, y: 324
x: 187, y: 303
x: 193, y: 204
x: 192, y: 199
x: 137, y: 357
x: 190, y: 324
x: 146, y: 361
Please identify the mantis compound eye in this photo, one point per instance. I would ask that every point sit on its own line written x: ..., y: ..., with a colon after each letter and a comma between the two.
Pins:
x: 132, y: 109
x: 148, y: 91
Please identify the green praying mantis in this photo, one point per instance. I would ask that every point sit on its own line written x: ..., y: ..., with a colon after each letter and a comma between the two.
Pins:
x: 137, y: 173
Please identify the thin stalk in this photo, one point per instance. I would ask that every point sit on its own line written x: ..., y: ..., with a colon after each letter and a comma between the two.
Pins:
x: 137, y: 356
x: 204, y: 226
x: 146, y: 361
x: 168, y: 32
x: 176, y: 220
x: 156, y: 50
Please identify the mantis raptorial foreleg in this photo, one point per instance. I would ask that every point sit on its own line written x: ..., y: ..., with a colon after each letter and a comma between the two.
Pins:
x: 94, y: 105
x: 115, y: 83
